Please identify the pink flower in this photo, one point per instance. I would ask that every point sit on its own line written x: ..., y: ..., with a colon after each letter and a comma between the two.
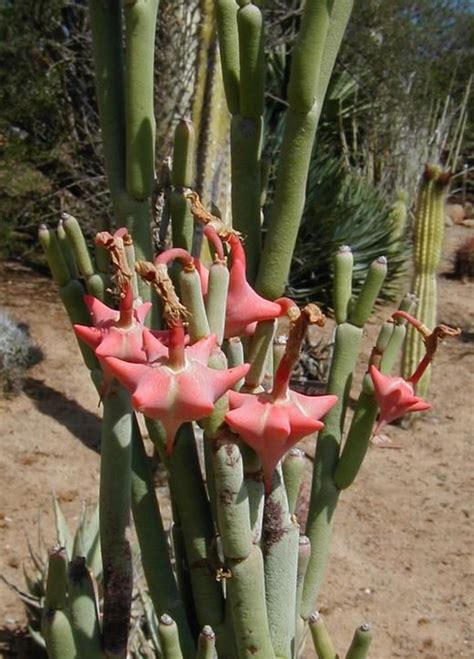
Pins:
x: 395, y: 397
x: 272, y: 427
x: 245, y: 308
x: 177, y: 388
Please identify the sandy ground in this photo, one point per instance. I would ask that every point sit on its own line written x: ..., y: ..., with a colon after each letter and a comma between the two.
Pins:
x: 402, y: 554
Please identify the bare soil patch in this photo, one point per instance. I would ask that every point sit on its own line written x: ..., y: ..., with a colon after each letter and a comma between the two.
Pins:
x: 402, y: 552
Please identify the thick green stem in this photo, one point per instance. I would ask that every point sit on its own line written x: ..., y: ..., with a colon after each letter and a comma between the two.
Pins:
x: 169, y: 638
x: 280, y: 551
x: 304, y: 554
x: 84, y: 610
x: 262, y: 343
x: 140, y: 26
x: 115, y: 489
x: 359, y: 648
x: 245, y: 146
x: 182, y: 223
x: 206, y: 643
x: 189, y: 496
x: 322, y: 642
x: 233, y: 516
x: 293, y: 471
x: 226, y: 15
x: 324, y: 493
x: 323, y: 25
x: 248, y: 607
x: 217, y: 299
x: 55, y: 624
x: 387, y: 348
x: 154, y: 544
x: 191, y: 295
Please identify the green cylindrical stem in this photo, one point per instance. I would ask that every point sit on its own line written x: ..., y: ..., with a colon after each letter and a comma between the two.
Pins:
x: 56, y: 583
x: 307, y: 56
x: 55, y: 624
x: 182, y: 574
x: 322, y: 642
x: 232, y: 503
x: 226, y: 15
x: 388, y: 346
x: 182, y: 172
x: 217, y: 298
x: 255, y: 489
x: 182, y: 175
x: 246, y: 596
x: 252, y: 62
x: 189, y: 497
x: 191, y: 295
x: 359, y: 648
x: 298, y: 138
x: 245, y: 145
x: 154, y: 544
x: 106, y: 28
x: 72, y: 296
x: 114, y: 511
x: 206, y: 643
x: 234, y: 351
x: 57, y: 633
x: 83, y: 607
x: 54, y: 255
x: 370, y: 290
x: 293, y: 471
x: 140, y: 27
x: 169, y: 638
x: 280, y: 552
x: 97, y: 284
x: 288, y: 204
x: 209, y: 469
x: 67, y: 251
x: 304, y: 554
x: 397, y: 337
x: 262, y: 342
x: 342, y: 292
x: 77, y: 240
x: 324, y: 493
x: 182, y: 222
x: 357, y: 441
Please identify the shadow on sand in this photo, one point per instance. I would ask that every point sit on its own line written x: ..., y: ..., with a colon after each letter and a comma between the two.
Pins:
x: 80, y: 422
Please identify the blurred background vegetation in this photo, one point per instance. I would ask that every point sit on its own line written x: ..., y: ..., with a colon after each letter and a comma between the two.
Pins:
x: 400, y: 96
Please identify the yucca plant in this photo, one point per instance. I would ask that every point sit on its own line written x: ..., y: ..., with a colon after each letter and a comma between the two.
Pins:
x: 342, y: 209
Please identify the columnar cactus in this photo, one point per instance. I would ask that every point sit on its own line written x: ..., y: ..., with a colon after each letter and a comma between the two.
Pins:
x: 428, y: 240
x: 240, y: 568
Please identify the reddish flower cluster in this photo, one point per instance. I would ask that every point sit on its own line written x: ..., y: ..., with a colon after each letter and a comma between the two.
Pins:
x: 172, y: 382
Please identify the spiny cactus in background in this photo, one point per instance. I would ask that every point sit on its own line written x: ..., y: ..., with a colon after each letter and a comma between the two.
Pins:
x: 428, y: 232
x: 464, y: 260
x: 398, y: 216
x: 17, y: 354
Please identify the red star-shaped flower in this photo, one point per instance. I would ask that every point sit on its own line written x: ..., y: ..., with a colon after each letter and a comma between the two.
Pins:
x: 245, y: 308
x: 174, y: 392
x: 395, y: 397
x: 272, y: 427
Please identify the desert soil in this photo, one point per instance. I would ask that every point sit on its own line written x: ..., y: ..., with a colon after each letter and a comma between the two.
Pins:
x: 402, y: 553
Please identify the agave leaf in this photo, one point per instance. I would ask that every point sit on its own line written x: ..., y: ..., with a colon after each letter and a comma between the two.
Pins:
x: 36, y: 584
x: 36, y: 636
x: 39, y: 563
x: 62, y: 529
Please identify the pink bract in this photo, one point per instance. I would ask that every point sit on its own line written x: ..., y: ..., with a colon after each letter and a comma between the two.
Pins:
x: 395, y: 397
